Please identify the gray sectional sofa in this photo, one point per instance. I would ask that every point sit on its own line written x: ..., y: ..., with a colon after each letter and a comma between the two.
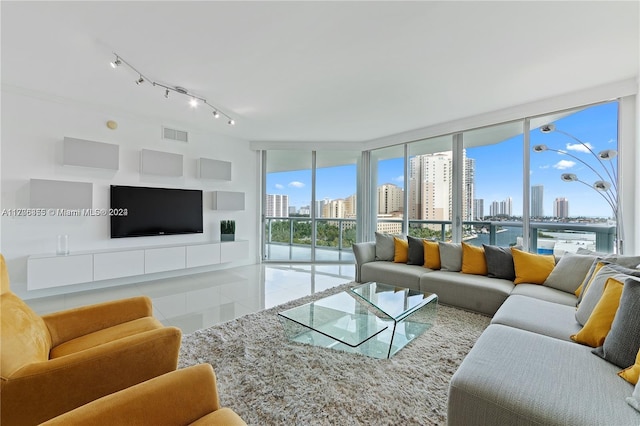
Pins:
x: 524, y: 369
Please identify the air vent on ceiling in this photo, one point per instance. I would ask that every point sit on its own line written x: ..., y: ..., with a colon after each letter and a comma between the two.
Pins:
x: 176, y: 135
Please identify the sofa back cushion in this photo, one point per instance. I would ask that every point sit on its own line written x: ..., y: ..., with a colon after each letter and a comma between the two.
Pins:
x: 25, y: 337
x: 385, y: 247
x: 569, y: 272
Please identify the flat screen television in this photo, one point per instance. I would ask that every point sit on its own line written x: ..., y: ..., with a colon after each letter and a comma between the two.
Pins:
x: 141, y: 211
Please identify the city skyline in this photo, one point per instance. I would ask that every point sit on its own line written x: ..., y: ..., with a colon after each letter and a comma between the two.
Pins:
x: 498, y: 168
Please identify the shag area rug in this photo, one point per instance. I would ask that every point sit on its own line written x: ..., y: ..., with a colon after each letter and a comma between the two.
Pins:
x: 269, y: 380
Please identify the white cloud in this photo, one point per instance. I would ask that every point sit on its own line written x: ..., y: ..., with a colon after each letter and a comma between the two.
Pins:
x: 279, y: 186
x: 611, y: 141
x: 564, y: 164
x: 579, y: 147
x: 546, y: 166
x: 398, y: 178
x: 296, y: 184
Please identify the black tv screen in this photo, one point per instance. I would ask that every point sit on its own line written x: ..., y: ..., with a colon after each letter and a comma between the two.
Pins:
x: 140, y: 211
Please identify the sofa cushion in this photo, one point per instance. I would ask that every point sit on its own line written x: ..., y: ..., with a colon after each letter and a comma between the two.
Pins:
x: 499, y: 262
x: 385, y: 248
x: 431, y: 254
x: 106, y: 335
x: 473, y: 260
x: 474, y: 292
x: 416, y: 251
x: 398, y: 274
x: 401, y: 250
x: 634, y: 399
x: 515, y: 377
x: 622, y: 343
x: 531, y: 268
x: 594, y: 290
x: 599, y: 323
x: 25, y: 336
x: 546, y: 293
x: 538, y: 316
x: 632, y: 374
x: 569, y: 272
x: 450, y: 256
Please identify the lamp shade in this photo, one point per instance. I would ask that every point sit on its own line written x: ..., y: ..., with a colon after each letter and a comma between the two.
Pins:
x: 569, y: 177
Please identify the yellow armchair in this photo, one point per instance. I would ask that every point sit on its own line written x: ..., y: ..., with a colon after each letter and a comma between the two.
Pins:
x: 52, y: 364
x: 183, y: 397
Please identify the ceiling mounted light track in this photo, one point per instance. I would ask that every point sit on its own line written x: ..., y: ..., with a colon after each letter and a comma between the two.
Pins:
x: 181, y: 90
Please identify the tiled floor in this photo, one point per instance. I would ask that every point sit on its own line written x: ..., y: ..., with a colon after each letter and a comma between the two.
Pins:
x: 198, y: 301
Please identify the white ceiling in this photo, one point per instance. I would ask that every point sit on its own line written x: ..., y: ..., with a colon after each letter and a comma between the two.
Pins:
x: 318, y: 71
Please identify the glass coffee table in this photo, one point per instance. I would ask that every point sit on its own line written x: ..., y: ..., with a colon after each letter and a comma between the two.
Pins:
x: 372, y: 319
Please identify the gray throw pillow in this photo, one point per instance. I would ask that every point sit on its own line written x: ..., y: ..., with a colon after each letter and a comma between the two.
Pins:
x: 499, y: 262
x: 416, y: 251
x: 634, y: 399
x: 596, y: 288
x: 569, y: 272
x: 587, y: 277
x: 626, y: 261
x: 623, y: 341
x: 450, y: 256
x: 385, y: 247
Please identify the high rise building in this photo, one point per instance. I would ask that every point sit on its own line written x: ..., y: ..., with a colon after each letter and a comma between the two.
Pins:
x: 292, y: 210
x: 561, y: 208
x: 537, y: 201
x: 478, y: 209
x: 277, y: 205
x: 390, y: 198
x: 502, y: 208
x: 430, y: 186
x: 469, y: 183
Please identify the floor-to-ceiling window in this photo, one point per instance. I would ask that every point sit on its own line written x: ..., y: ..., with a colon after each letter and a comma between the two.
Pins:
x: 492, y: 188
x: 387, y: 171
x: 309, y: 205
x: 431, y: 184
x: 574, y: 180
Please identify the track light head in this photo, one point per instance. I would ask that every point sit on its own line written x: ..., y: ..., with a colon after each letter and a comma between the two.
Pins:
x: 232, y: 122
x: 116, y: 63
x: 216, y: 114
x: 166, y: 93
x: 140, y: 81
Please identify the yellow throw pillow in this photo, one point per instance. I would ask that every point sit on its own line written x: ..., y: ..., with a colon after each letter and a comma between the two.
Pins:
x: 532, y: 268
x: 431, y: 254
x: 599, y: 323
x: 588, y: 280
x: 578, y: 291
x: 401, y: 250
x: 473, y: 260
x: 632, y: 374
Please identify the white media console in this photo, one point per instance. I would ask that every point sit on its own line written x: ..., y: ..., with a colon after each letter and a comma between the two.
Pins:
x: 50, y: 270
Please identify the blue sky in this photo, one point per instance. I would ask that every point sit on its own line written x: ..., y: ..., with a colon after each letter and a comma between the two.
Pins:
x: 498, y: 168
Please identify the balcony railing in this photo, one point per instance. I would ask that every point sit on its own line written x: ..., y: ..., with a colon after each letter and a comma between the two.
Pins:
x: 340, y: 234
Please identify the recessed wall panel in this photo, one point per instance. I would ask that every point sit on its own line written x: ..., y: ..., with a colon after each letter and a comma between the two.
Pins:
x: 58, y: 194
x: 160, y: 163
x: 214, y: 169
x: 227, y: 200
x: 80, y: 152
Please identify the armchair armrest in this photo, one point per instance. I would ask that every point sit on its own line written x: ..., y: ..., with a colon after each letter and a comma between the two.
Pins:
x: 364, y: 253
x: 178, y: 398
x: 56, y: 386
x: 73, y: 323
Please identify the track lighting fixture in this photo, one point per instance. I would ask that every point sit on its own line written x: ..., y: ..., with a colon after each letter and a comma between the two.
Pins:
x: 194, y: 101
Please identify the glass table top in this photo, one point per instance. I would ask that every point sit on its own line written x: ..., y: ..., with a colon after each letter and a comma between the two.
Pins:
x: 396, y: 302
x: 340, y: 317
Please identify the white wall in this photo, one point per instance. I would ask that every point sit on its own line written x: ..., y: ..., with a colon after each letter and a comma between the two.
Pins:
x: 33, y: 128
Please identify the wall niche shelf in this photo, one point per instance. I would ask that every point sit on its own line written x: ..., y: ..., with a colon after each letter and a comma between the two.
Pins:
x: 99, y: 155
x: 227, y: 200
x: 214, y: 169
x: 160, y: 163
x: 60, y: 194
x: 50, y: 270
